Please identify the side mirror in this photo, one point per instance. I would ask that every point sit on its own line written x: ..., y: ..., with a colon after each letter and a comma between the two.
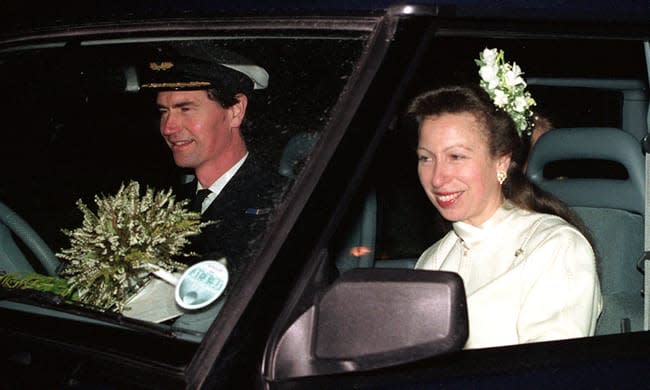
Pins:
x: 372, y: 318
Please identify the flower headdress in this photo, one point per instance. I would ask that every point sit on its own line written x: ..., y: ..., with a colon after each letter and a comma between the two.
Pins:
x: 503, y: 82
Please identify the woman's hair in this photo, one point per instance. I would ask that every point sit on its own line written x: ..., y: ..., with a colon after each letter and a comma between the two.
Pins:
x: 502, y: 139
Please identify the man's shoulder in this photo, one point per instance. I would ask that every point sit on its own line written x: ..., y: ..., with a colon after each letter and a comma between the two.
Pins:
x: 257, y: 172
x: 257, y: 183
x: 256, y: 164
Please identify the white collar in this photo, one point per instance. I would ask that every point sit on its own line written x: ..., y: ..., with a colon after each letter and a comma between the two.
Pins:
x: 220, y: 183
x: 471, y: 234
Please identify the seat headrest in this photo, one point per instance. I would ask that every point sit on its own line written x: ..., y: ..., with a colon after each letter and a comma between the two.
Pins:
x: 594, y: 143
x: 295, y: 152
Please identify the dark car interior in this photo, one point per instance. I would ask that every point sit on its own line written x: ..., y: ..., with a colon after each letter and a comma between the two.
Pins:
x: 351, y: 303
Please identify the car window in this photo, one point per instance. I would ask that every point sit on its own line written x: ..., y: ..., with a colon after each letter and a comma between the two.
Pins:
x: 82, y: 126
x: 406, y: 222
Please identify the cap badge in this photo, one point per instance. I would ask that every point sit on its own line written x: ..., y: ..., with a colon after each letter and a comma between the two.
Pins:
x: 158, y: 66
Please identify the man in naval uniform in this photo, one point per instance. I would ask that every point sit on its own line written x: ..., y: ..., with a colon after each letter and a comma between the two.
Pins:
x: 202, y: 101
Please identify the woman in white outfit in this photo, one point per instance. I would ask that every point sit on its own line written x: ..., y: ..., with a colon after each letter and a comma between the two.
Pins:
x: 528, y: 267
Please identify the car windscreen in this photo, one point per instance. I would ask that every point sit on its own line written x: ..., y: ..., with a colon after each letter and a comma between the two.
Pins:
x: 86, y: 167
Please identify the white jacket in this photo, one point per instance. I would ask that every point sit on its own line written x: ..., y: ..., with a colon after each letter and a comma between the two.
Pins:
x: 528, y: 277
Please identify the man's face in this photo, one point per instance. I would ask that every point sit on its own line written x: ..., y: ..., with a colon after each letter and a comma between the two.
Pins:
x: 198, y: 130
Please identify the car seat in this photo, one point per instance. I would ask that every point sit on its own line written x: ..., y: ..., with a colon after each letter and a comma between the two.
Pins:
x: 11, y: 257
x: 296, y: 152
x: 358, y: 249
x: 612, y: 208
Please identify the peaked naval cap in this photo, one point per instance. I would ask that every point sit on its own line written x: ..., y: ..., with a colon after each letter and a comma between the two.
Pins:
x: 202, y: 68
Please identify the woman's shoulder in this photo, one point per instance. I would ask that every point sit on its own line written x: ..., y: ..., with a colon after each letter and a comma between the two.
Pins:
x: 547, y: 228
x: 542, y: 222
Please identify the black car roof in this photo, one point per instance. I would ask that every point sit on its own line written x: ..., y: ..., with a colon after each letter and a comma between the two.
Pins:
x: 20, y: 15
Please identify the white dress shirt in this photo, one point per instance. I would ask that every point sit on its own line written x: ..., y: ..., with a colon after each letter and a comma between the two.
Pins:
x: 528, y: 277
x: 219, y: 184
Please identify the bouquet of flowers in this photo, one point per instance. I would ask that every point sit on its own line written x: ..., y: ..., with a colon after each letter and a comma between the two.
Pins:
x: 507, y: 88
x: 115, y: 250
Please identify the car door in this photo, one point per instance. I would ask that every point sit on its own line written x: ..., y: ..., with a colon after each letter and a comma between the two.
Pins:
x: 383, y: 222
x: 88, y: 125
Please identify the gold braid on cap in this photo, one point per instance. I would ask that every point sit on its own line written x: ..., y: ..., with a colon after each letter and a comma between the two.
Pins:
x: 158, y: 66
x: 182, y: 84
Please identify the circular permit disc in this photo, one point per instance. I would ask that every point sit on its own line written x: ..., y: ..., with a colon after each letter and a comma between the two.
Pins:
x: 201, y: 284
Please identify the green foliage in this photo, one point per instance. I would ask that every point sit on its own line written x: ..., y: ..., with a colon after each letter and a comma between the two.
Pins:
x: 112, y: 254
x: 35, y: 281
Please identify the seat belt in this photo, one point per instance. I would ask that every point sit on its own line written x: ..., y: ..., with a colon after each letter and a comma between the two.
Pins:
x: 646, y: 223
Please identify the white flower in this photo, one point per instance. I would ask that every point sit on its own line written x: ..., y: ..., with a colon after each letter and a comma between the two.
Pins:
x: 500, y: 98
x: 490, y: 74
x: 521, y: 104
x: 489, y: 56
x: 513, y: 77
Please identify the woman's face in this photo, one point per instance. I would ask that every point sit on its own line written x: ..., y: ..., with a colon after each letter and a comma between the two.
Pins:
x: 456, y: 170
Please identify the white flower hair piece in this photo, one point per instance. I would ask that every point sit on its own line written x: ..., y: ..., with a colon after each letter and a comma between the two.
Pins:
x: 507, y: 88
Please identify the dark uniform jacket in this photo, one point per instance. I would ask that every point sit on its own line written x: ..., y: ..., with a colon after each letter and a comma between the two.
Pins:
x: 241, y: 212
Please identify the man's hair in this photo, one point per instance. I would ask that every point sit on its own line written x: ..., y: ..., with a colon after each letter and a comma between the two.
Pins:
x: 225, y: 101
